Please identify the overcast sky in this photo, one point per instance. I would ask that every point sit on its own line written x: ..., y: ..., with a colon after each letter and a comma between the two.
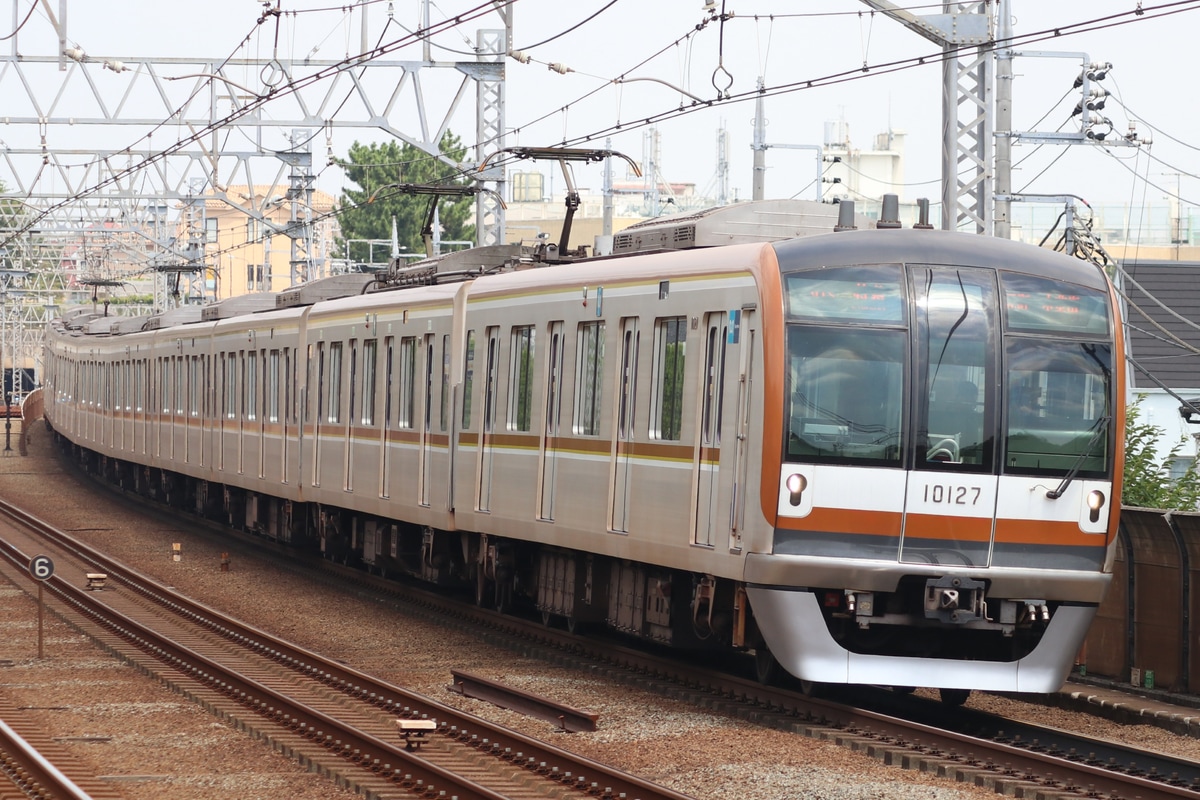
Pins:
x: 805, y: 41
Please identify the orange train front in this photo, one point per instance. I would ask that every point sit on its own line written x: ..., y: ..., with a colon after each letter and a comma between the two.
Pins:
x: 950, y: 416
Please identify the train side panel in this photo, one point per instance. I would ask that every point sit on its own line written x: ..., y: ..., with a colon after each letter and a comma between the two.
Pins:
x: 639, y: 432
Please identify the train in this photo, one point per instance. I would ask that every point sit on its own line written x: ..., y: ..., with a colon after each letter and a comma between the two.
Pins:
x: 854, y: 452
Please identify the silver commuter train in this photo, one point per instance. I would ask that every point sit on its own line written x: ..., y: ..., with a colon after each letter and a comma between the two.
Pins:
x: 870, y: 456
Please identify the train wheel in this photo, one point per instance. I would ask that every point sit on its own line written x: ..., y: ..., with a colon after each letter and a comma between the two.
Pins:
x: 766, y: 667
x: 572, y: 625
x: 954, y: 697
x: 547, y: 618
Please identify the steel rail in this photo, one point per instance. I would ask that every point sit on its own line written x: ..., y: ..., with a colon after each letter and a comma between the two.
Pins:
x: 33, y: 773
x: 1005, y: 762
x: 533, y: 755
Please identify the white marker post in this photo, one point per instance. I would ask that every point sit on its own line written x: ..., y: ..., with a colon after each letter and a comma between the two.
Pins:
x: 41, y: 568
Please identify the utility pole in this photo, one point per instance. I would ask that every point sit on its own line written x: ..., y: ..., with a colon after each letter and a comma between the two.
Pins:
x: 760, y: 146
x: 967, y: 118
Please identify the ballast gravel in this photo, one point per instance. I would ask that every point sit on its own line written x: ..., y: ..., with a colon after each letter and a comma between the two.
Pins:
x: 150, y: 743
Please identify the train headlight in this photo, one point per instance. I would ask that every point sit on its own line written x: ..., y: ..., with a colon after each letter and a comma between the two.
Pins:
x: 1095, y: 502
x: 796, y: 484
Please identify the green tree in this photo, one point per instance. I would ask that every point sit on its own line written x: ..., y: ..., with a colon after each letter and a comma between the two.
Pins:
x: 1148, y: 482
x: 367, y: 212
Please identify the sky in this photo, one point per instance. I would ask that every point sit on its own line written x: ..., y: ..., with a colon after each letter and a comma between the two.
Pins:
x: 785, y: 43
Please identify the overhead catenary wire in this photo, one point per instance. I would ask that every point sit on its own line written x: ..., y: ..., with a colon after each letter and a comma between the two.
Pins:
x: 273, y: 92
x: 33, y: 4
x: 1144, y: 13
x: 1141, y: 14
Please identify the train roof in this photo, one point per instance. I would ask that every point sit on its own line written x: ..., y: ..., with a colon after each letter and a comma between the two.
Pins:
x: 176, y: 316
x: 236, y: 306
x: 100, y: 326
x: 936, y: 247
x: 740, y: 223
x: 306, y: 294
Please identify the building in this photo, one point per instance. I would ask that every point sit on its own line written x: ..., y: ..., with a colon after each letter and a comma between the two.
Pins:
x: 292, y: 243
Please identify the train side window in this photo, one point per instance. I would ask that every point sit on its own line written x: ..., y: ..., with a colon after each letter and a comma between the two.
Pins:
x: 370, y: 348
x: 408, y: 367
x: 714, y: 381
x: 666, y: 400
x: 427, y: 421
x: 445, y: 399
x: 520, y: 386
x: 491, y: 378
x: 334, y: 412
x: 180, y: 393
x: 589, y: 378
x: 231, y: 407
x: 164, y: 385
x: 554, y: 364
x: 194, y: 384
x: 289, y: 387
x: 468, y: 380
x: 353, y: 382
x: 389, y: 373
x: 251, y: 398
x: 273, y: 387
x: 319, y: 384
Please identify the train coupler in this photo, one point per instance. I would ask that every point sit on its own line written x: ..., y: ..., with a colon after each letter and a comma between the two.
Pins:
x: 955, y: 599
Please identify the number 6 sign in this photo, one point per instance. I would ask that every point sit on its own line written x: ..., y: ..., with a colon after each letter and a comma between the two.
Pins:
x: 41, y: 567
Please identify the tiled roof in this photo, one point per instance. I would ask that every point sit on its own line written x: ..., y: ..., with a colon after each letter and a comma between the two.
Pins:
x: 1176, y: 284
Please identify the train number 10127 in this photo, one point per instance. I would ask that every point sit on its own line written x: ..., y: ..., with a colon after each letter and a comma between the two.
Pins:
x: 952, y: 495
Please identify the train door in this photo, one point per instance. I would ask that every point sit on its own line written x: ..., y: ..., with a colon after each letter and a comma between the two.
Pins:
x: 385, y: 430
x: 707, y: 458
x: 548, y: 446
x: 194, y: 436
x: 317, y: 388
x: 271, y: 427
x: 283, y: 373
x: 226, y: 406
x: 163, y: 429
x: 951, y: 495
x: 253, y: 427
x: 201, y: 393
x: 348, y: 425
x: 426, y: 440
x: 178, y: 416
x: 142, y: 372
x: 488, y: 423
x: 623, y: 441
x: 741, y: 331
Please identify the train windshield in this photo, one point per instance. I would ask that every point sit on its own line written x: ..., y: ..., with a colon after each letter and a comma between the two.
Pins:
x: 947, y: 369
x: 956, y: 345
x: 1058, y: 407
x: 1058, y: 393
x: 846, y: 395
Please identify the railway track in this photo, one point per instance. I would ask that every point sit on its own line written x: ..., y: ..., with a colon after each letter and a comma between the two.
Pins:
x: 343, y: 722
x: 1012, y: 757
x: 1029, y: 761
x: 37, y: 767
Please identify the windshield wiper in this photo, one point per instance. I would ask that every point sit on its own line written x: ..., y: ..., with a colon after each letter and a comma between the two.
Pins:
x: 1099, y: 426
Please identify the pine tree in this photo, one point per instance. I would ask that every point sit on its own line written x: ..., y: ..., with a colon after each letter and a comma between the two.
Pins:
x: 367, y: 212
